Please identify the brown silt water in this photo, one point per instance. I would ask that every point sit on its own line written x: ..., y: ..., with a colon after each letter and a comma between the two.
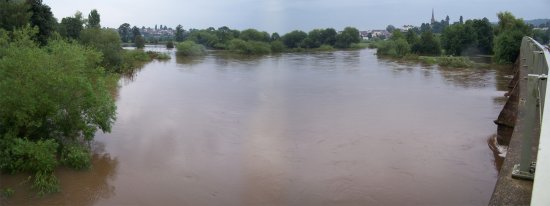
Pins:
x: 327, y: 128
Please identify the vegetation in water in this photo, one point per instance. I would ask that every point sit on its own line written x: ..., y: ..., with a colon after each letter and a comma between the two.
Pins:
x: 190, y: 48
x: 56, y: 89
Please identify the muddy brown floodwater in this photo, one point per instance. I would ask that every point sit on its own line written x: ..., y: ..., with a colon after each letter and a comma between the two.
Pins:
x: 329, y: 128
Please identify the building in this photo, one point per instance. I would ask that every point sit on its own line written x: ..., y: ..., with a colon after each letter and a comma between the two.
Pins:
x: 433, y: 17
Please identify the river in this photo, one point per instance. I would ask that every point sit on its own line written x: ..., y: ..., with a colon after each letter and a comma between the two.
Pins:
x: 325, y: 128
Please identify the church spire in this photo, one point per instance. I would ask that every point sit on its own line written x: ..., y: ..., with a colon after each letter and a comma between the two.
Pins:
x: 433, y: 18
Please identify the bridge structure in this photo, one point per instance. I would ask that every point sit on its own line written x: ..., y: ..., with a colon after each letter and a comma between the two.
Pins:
x: 523, y: 126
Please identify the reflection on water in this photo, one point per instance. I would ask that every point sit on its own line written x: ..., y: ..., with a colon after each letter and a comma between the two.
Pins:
x: 327, y: 128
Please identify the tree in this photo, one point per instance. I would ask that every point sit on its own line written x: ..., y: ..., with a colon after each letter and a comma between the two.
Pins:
x: 461, y: 21
x: 93, y: 19
x: 329, y: 36
x: 447, y: 20
x: 124, y: 32
x: 43, y: 120
x: 458, y: 37
x: 107, y: 42
x: 485, y: 35
x: 135, y: 32
x: 179, y: 33
x: 14, y: 14
x: 390, y: 28
x: 347, y: 37
x: 314, y: 39
x: 275, y: 36
x: 42, y: 17
x: 509, y: 33
x: 139, y: 41
x: 71, y: 26
x: 254, y: 35
x: 425, y: 27
x: 428, y: 45
x: 411, y: 37
x: 294, y: 38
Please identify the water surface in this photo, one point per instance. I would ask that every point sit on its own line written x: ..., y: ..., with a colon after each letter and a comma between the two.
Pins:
x: 330, y: 128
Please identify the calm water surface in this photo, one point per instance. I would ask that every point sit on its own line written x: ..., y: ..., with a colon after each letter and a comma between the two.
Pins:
x: 333, y: 128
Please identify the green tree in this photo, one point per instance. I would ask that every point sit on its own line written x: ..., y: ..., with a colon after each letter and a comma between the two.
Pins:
x: 139, y: 41
x: 71, y: 26
x: 459, y: 37
x: 390, y: 28
x: 347, y: 37
x: 124, y: 32
x: 329, y: 36
x: 314, y: 39
x: 485, y: 35
x: 107, y: 42
x: 14, y: 14
x: 42, y: 17
x: 294, y: 38
x: 93, y: 19
x: 179, y: 33
x: 510, y: 32
x: 135, y: 32
x: 411, y: 37
x: 254, y: 35
x: 428, y: 45
x: 66, y: 102
x: 275, y: 36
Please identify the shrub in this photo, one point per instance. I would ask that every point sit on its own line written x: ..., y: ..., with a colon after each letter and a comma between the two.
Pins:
x: 277, y: 46
x: 170, y: 45
x: 190, y: 48
x: 107, y: 42
x: 325, y: 47
x: 76, y: 157
x: 45, y: 182
x: 249, y: 47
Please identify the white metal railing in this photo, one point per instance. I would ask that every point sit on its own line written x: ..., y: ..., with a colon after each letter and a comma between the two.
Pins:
x: 536, y: 58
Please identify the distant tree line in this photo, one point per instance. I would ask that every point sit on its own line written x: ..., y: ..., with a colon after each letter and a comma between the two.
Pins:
x: 470, y: 37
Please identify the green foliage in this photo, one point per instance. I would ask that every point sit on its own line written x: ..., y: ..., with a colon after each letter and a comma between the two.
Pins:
x: 76, y: 156
x: 358, y: 45
x: 139, y: 42
x: 254, y: 35
x: 107, y: 42
x: 45, y: 183
x: 42, y: 17
x: 507, y: 45
x: 94, y: 19
x: 124, y: 31
x: 249, y: 47
x: 71, y: 27
x: 204, y: 37
x: 179, y: 33
x: 325, y: 47
x: 428, y: 45
x: 14, y: 14
x: 458, y: 37
x: 23, y: 155
x: 347, y: 37
x: 133, y: 59
x: 510, y: 32
x: 158, y: 55
x: 7, y: 192
x: 278, y: 46
x: 294, y: 39
x: 394, y: 48
x: 190, y: 48
x: 169, y: 45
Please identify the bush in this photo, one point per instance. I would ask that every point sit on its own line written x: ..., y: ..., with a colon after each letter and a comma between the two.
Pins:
x: 277, y: 46
x: 76, y: 157
x: 133, y: 59
x: 158, y: 55
x: 190, y: 48
x: 107, y: 42
x: 45, y: 182
x: 139, y: 41
x: 325, y: 47
x: 170, y: 45
x: 249, y: 47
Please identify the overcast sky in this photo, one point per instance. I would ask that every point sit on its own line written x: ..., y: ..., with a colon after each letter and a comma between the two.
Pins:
x: 287, y: 15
